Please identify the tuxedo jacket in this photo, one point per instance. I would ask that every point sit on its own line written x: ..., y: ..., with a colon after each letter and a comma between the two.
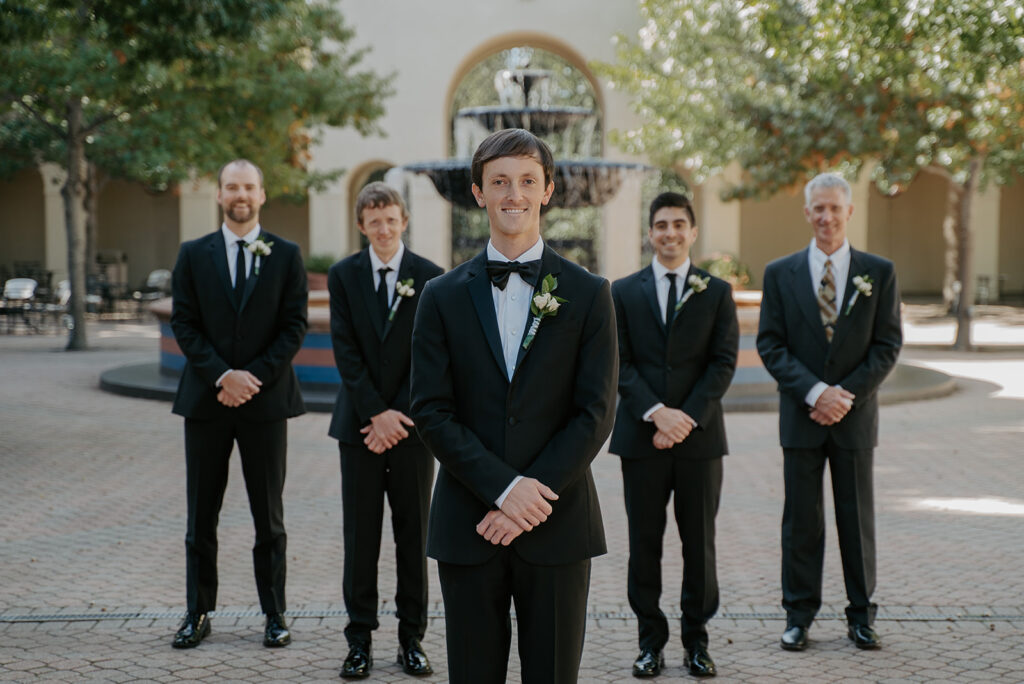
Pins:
x: 792, y: 344
x: 372, y: 354
x: 688, y: 366
x: 261, y: 335
x: 548, y: 422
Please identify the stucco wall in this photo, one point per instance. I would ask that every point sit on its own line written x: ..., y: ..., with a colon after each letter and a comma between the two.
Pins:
x: 770, y: 229
x: 143, y: 225
x: 1011, y: 239
x: 22, y: 233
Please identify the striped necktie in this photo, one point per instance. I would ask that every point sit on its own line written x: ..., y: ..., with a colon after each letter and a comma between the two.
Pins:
x: 827, y: 300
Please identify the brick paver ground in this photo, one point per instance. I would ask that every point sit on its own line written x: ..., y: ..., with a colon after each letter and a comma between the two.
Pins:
x: 92, y: 564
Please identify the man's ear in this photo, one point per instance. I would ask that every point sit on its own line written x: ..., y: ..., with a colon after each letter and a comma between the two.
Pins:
x: 479, y: 195
x: 548, y: 191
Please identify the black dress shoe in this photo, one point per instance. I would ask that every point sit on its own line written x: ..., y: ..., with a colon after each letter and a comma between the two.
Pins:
x: 863, y: 636
x: 193, y: 629
x: 276, y: 632
x: 358, y: 662
x: 648, y: 663
x: 700, y: 662
x: 794, y: 638
x: 413, y: 660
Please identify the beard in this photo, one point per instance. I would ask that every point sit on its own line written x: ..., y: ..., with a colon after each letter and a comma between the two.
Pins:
x: 240, y: 213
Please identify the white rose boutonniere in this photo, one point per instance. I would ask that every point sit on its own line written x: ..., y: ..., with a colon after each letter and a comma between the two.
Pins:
x: 260, y: 248
x: 697, y: 285
x: 403, y: 289
x: 545, y: 303
x: 863, y: 284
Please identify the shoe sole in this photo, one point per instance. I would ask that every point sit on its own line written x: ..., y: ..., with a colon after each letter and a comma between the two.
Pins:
x: 792, y: 647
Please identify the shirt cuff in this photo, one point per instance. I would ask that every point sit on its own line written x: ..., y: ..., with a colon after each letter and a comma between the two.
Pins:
x: 812, y: 397
x: 650, y: 412
x: 501, y: 499
x: 222, y: 376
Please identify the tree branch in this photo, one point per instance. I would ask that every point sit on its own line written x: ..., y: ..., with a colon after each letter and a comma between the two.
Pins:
x: 56, y: 130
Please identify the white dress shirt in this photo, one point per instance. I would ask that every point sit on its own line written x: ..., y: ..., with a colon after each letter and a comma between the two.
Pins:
x: 512, y: 308
x: 391, y: 278
x: 231, y: 244
x: 840, y: 271
x: 661, y: 287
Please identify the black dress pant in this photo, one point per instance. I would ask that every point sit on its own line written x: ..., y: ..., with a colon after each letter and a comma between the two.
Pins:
x: 696, y: 487
x: 803, y: 530
x: 405, y: 474
x: 551, y: 611
x: 262, y: 447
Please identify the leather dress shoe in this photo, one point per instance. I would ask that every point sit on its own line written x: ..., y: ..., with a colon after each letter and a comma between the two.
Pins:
x: 699, y: 661
x: 863, y: 636
x: 358, y: 662
x: 648, y: 663
x: 276, y: 632
x: 193, y: 629
x: 413, y: 660
x: 794, y: 638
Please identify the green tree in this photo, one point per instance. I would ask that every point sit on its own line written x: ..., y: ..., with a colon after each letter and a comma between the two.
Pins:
x: 158, y: 92
x: 791, y: 88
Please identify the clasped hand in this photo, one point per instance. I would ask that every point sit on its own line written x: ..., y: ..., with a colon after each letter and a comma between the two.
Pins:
x: 238, y: 387
x: 386, y: 429
x: 525, y: 507
x: 832, y: 406
x: 673, y: 426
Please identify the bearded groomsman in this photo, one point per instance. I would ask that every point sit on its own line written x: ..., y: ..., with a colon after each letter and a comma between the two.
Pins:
x: 829, y: 334
x: 678, y: 341
x: 239, y: 317
x: 374, y: 294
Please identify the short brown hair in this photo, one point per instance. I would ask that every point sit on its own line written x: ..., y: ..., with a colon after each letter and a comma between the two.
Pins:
x: 240, y: 162
x: 377, y: 195
x: 512, y: 142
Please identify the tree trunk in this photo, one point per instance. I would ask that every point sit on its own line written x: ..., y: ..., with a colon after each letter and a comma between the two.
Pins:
x: 965, y: 273
x: 74, y: 220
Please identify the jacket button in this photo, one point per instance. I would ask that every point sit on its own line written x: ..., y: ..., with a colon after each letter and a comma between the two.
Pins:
x: 511, y: 420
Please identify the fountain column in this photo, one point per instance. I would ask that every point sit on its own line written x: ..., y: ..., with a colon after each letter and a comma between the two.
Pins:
x: 198, y: 213
x: 430, y: 221
x: 621, y: 238
x: 328, y: 222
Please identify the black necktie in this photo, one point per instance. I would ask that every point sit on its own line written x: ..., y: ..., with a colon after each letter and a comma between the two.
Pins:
x: 499, y: 271
x: 240, y: 271
x: 670, y: 303
x: 382, y: 290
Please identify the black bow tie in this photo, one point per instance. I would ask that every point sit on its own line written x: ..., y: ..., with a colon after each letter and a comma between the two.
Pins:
x: 499, y: 271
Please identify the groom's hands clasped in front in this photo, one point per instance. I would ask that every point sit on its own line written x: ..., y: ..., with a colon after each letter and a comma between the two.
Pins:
x: 238, y: 387
x: 525, y: 507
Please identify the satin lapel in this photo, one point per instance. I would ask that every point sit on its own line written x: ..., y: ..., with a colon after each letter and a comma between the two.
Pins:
x: 219, y: 256
x: 550, y: 263
x: 479, y: 286
x: 364, y: 280
x: 843, y: 322
x: 650, y: 293
x: 404, y: 273
x: 806, y: 299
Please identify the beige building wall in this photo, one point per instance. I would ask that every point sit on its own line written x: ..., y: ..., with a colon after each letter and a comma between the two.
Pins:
x: 141, y: 224
x: 22, y: 233
x: 289, y: 220
x: 770, y: 229
x: 1011, y: 240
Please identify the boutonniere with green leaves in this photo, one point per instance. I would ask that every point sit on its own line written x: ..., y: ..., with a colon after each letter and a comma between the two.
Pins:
x: 260, y: 247
x: 863, y: 285
x: 545, y: 303
x: 697, y: 285
x: 403, y: 289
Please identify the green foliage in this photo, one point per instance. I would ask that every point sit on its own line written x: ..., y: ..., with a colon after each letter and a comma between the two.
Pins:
x: 728, y: 268
x: 320, y: 263
x: 789, y: 88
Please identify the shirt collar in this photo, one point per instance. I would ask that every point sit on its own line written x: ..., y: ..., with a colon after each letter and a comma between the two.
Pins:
x: 840, y: 256
x: 532, y: 254
x: 230, y: 238
x: 660, y: 270
x: 393, y: 263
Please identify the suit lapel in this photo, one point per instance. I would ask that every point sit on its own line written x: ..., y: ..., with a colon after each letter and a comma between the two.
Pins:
x: 479, y: 286
x: 649, y: 292
x: 550, y: 263
x: 683, y: 288
x: 404, y: 273
x: 364, y: 279
x: 842, y: 322
x: 219, y: 257
x: 806, y: 299
x: 250, y: 283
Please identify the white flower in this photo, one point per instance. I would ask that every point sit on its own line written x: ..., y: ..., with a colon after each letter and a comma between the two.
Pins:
x: 405, y: 290
x: 260, y: 248
x: 697, y: 283
x: 863, y: 285
x: 541, y: 301
x: 543, y: 304
x: 552, y: 306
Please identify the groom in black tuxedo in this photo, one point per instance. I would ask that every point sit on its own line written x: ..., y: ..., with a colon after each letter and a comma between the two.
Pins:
x: 239, y: 317
x: 829, y: 334
x: 513, y: 391
x: 374, y: 294
x: 678, y: 341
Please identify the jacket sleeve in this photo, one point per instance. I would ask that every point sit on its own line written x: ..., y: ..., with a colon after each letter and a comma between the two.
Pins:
x: 633, y: 388
x: 186, y: 322
x: 569, y: 452
x: 884, y: 349
x: 773, y: 343
x: 291, y: 324
x: 721, y: 366
x: 347, y: 356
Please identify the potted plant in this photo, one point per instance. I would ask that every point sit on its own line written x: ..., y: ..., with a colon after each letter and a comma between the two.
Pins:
x: 317, y: 266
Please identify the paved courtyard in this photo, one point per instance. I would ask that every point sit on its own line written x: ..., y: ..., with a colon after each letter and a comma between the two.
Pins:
x: 92, y: 564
